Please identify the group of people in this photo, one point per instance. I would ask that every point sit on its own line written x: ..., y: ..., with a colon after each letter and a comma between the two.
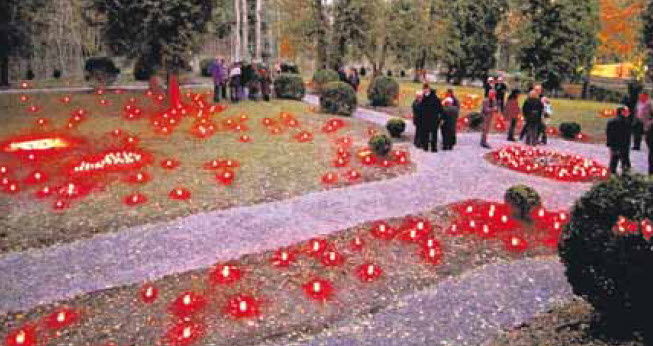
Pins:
x: 241, y: 80
x: 431, y: 115
x: 629, y: 128
x: 349, y: 76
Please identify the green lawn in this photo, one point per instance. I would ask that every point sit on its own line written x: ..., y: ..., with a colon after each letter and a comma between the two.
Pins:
x: 270, y: 169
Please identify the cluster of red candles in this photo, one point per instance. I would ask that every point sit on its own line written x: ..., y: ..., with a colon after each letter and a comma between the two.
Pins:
x: 550, y: 163
x: 624, y: 226
x: 489, y: 220
x: 32, y: 335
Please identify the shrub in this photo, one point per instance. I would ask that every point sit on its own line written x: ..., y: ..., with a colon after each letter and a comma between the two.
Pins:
x: 396, y: 126
x: 30, y: 74
x: 56, y: 73
x: 289, y: 86
x: 338, y: 98
x: 288, y: 67
x: 380, y: 145
x: 402, y: 74
x: 569, y: 130
x: 323, y: 77
x: 101, y: 71
x: 389, y: 73
x: 383, y: 91
x: 145, y: 68
x: 475, y: 120
x: 522, y: 199
x: 610, y: 270
x: 205, y: 67
x: 363, y: 71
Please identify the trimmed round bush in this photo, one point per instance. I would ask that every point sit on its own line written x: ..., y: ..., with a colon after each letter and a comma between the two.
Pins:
x: 56, y: 73
x: 205, y: 67
x: 289, y: 86
x: 30, y: 74
x: 338, y: 98
x: 288, y: 67
x: 363, y: 71
x: 383, y: 91
x: 522, y: 199
x: 324, y: 77
x: 145, y: 68
x: 101, y: 71
x: 475, y: 120
x: 396, y: 126
x: 569, y: 130
x: 380, y: 145
x: 609, y: 269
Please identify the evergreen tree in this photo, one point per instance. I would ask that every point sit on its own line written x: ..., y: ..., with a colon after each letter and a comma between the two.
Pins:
x: 559, y: 39
x: 165, y: 31
x: 468, y: 41
x: 647, y: 34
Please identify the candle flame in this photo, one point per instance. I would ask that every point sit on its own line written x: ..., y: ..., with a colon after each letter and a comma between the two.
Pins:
x: 316, y: 287
x: 149, y: 292
x: 20, y: 337
x: 186, y: 333
x: 225, y: 271
x: 515, y: 241
x: 370, y: 270
x: 61, y: 317
x: 332, y: 256
x: 243, y: 306
x: 284, y: 256
x: 187, y: 299
x: 420, y: 225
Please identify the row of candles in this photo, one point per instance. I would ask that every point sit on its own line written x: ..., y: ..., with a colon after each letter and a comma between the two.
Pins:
x: 624, y: 226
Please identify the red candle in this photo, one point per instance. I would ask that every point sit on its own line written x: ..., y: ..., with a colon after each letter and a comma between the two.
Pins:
x: 243, y: 306
x: 226, y: 178
x: 382, y: 230
x: 357, y: 244
x: 319, y: 290
x: 245, y: 139
x: 353, y: 175
x: 138, y: 178
x: 340, y: 162
x: 187, y: 304
x: 149, y: 293
x: 185, y: 333
x: 135, y: 199
x: 368, y: 160
x: 36, y: 177
x: 60, y: 205
x: 515, y: 244
x: 330, y: 178
x: 332, y: 259
x: 647, y: 229
x: 33, y: 109
x: 24, y: 336
x: 24, y: 98
x: 283, y: 258
x: 170, y: 164
x: 432, y: 255
x: 369, y: 272
x: 44, y: 192
x: 131, y: 141
x: 179, y: 194
x: 225, y: 274
x: 42, y: 122
x: 4, y: 170
x: 62, y: 319
x: 316, y: 247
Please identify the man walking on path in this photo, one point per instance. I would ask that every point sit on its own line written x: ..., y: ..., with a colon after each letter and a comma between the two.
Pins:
x: 450, y: 119
x: 642, y: 108
x: 502, y: 88
x: 512, y: 113
x: 219, y: 73
x: 489, y: 85
x: 490, y: 107
x: 417, y: 120
x: 618, y: 134
x: 532, y: 111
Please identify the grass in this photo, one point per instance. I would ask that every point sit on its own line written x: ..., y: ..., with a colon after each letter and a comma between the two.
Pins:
x: 285, y: 311
x: 270, y: 169
x: 566, y: 110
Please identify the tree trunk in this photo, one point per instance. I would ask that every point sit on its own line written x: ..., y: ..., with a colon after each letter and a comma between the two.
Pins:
x: 4, y: 71
x: 420, y: 64
x: 245, y: 28
x: 238, y: 50
x: 259, y: 8
x: 321, y: 40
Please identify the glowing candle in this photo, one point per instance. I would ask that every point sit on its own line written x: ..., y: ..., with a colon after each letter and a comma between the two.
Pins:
x: 370, y: 270
x: 187, y: 299
x: 186, y: 334
x: 316, y: 287
x: 243, y: 306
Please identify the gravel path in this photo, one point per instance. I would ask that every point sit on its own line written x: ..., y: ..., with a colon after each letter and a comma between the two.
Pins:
x: 151, y: 251
x: 466, y: 310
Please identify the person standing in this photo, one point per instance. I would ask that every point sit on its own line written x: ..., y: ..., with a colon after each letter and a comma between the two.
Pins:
x: 432, y: 110
x: 489, y: 85
x: 643, y: 107
x: 547, y: 113
x: 512, y: 113
x: 532, y: 110
x: 618, y: 133
x: 450, y: 113
x: 354, y: 80
x: 490, y: 107
x: 417, y: 120
x: 235, y: 82
x: 266, y: 82
x: 219, y: 73
x: 646, y: 117
x: 502, y: 88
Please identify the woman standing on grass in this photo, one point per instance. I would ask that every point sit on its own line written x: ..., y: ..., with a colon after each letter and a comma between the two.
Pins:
x: 234, y: 82
x: 512, y: 113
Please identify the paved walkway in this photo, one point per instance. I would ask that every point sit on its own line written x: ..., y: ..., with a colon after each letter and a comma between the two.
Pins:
x: 465, y: 310
x: 148, y: 252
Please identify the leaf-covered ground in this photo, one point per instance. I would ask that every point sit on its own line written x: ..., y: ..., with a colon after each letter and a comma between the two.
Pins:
x: 272, y: 166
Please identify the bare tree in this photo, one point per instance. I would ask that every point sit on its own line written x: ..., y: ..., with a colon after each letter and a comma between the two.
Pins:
x: 245, y: 28
x: 259, y: 8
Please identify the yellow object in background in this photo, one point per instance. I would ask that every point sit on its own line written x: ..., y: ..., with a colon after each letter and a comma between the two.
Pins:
x: 613, y: 70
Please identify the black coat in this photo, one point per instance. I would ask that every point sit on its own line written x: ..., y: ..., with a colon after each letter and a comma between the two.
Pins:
x: 501, y: 89
x: 532, y: 110
x: 432, y: 110
x: 618, y: 133
x: 417, y: 113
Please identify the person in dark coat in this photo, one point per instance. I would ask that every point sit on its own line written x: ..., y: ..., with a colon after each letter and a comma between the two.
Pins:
x: 643, y: 106
x: 489, y: 85
x: 502, y: 88
x: 450, y: 113
x: 266, y: 83
x: 532, y: 111
x: 417, y: 120
x: 220, y: 76
x: 490, y: 107
x: 512, y: 113
x: 432, y: 111
x: 354, y: 80
x: 618, y: 134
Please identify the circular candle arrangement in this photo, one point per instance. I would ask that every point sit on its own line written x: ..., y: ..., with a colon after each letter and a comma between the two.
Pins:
x: 549, y: 163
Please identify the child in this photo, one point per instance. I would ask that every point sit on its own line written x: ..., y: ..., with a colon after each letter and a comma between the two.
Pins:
x: 618, y: 134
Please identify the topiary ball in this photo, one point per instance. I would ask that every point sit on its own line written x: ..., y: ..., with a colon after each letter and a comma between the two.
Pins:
x: 323, y: 77
x: 396, y: 126
x: 380, y: 145
x: 610, y: 269
x: 338, y: 98
x: 56, y: 73
x: 569, y: 130
x: 522, y: 199
x: 383, y: 91
x: 205, y: 67
x: 289, y: 86
x: 101, y: 71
